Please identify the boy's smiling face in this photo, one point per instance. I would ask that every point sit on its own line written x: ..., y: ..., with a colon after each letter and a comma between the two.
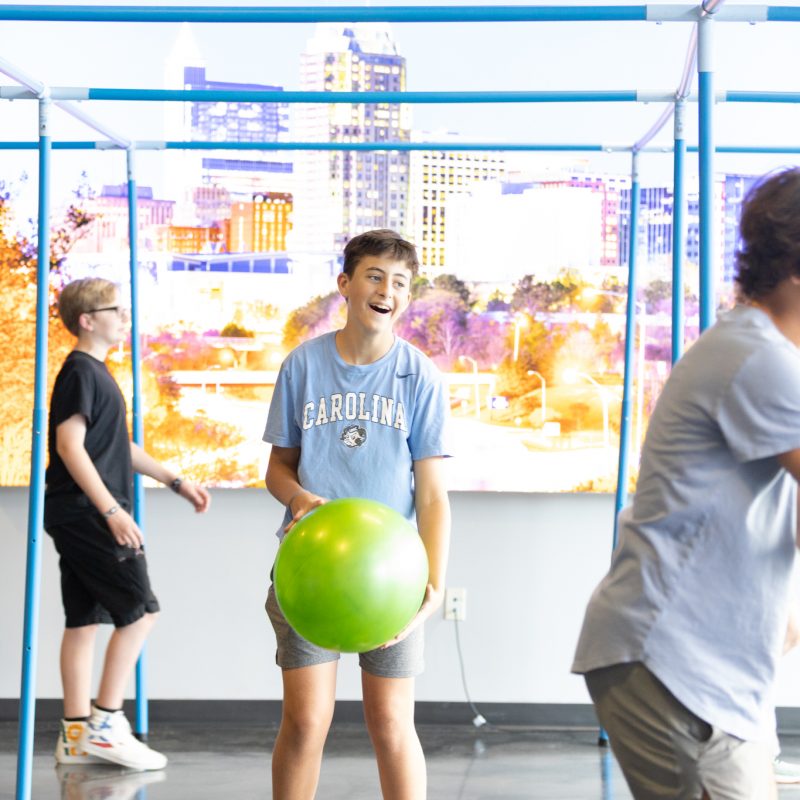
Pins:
x: 378, y: 292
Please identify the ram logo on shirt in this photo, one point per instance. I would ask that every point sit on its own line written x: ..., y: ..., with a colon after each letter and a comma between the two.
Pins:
x: 354, y: 435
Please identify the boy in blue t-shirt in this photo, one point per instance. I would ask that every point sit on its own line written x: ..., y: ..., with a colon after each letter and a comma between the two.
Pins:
x: 360, y: 413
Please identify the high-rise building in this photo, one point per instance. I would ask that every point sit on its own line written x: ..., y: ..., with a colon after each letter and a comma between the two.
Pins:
x: 736, y: 189
x: 610, y: 188
x: 656, y: 225
x: 240, y: 174
x: 108, y: 233
x: 499, y: 236
x: 239, y: 122
x: 342, y: 193
x: 436, y: 177
x: 261, y: 225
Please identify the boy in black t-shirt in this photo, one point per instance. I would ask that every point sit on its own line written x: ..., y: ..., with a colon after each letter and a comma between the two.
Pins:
x: 87, y: 504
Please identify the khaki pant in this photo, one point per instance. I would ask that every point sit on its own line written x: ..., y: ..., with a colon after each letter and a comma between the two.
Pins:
x: 666, y: 751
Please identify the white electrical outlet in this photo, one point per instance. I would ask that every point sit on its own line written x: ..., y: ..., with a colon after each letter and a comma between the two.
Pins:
x: 455, y: 604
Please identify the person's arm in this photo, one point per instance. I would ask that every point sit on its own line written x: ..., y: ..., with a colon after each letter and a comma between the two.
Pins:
x: 433, y: 521
x: 283, y: 483
x: 145, y: 464
x: 790, y: 461
x: 70, y: 446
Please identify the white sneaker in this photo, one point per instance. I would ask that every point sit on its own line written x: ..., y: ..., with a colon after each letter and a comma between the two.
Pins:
x: 108, y: 736
x: 68, y: 750
x: 786, y: 771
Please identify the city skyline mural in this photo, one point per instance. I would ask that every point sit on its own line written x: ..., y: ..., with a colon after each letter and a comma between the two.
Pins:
x: 520, y: 300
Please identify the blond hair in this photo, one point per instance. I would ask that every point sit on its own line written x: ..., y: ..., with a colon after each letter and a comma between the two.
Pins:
x: 82, y: 296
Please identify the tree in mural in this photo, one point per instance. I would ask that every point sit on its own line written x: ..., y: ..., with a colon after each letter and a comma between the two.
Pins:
x: 317, y: 316
x: 532, y: 295
x: 196, y: 446
x: 18, y: 263
x: 436, y: 322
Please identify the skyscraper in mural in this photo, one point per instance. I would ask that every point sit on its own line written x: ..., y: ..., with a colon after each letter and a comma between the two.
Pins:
x: 196, y: 177
x: 342, y: 193
x: 436, y: 178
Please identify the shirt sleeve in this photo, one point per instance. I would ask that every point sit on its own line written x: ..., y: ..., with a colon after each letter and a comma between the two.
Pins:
x: 760, y: 414
x: 73, y: 394
x: 282, y: 428
x: 429, y: 432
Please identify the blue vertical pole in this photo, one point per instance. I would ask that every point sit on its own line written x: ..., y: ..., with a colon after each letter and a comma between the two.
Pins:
x: 630, y: 319
x: 678, y: 232
x: 27, y: 710
x: 138, y: 423
x: 706, y: 162
x: 627, y: 381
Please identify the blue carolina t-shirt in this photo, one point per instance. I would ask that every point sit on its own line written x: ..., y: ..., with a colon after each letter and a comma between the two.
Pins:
x: 359, y: 427
x: 698, y: 586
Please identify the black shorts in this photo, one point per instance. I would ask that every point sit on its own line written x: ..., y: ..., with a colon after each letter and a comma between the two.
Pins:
x: 101, y: 581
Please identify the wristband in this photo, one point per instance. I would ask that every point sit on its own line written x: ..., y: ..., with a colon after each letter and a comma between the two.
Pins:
x: 176, y: 485
x: 111, y: 511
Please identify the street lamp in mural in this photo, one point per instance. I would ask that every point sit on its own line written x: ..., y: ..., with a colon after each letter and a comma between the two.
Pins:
x: 641, y: 318
x: 464, y: 360
x: 572, y: 376
x: 539, y: 375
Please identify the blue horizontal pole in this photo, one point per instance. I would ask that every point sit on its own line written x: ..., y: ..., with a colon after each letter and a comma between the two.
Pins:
x: 271, y: 96
x: 778, y: 150
x: 379, y: 146
x: 762, y: 97
x: 482, y: 13
x: 268, y: 146
x: 783, y: 14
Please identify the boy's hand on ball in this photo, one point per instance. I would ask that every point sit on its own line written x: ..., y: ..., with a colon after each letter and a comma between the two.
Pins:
x: 432, y: 600
x: 300, y: 505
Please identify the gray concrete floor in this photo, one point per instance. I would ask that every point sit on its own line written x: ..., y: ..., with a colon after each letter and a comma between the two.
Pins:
x: 226, y: 762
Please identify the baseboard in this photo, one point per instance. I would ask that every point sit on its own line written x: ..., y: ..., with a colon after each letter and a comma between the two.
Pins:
x: 266, y: 712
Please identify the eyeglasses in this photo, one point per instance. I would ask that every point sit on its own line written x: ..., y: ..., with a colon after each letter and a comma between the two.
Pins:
x: 120, y: 311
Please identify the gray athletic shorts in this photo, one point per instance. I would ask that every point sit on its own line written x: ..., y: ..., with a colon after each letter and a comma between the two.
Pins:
x: 666, y: 751
x: 401, y: 660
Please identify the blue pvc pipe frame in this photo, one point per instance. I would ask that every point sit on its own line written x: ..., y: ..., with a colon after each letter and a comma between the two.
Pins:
x: 678, y: 231
x: 621, y: 495
x: 705, y: 109
x: 234, y: 14
x: 356, y: 98
x: 441, y: 14
x: 27, y: 710
x: 142, y: 721
x: 398, y: 146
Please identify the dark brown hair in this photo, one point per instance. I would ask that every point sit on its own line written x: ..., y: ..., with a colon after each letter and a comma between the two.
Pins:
x: 382, y: 243
x: 769, y: 233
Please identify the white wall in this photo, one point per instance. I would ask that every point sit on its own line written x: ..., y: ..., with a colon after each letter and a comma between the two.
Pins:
x: 529, y: 563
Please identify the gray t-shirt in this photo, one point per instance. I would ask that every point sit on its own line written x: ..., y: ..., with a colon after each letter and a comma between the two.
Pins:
x: 698, y: 585
x: 359, y: 427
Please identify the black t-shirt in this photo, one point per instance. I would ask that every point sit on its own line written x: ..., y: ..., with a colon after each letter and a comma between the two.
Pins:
x: 85, y: 386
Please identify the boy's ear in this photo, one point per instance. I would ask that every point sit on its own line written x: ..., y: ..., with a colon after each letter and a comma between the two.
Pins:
x: 84, y: 322
x: 342, y: 282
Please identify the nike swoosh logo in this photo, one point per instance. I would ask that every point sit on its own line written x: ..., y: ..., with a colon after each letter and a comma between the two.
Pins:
x: 406, y: 375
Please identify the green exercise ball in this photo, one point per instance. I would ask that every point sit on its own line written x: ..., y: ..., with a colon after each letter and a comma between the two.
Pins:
x: 351, y: 574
